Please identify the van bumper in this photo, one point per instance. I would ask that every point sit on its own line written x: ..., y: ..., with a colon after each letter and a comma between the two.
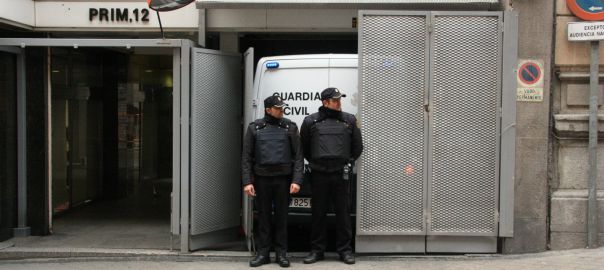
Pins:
x: 303, y: 218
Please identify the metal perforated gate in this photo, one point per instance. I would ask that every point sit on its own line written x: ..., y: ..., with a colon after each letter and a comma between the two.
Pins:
x: 398, y: 74
x: 215, y: 147
x: 430, y: 86
x: 466, y: 70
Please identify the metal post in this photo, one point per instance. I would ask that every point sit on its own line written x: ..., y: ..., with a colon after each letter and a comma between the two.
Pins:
x: 161, y: 27
x: 592, y: 207
x: 22, y: 229
x: 185, y: 139
x: 201, y: 39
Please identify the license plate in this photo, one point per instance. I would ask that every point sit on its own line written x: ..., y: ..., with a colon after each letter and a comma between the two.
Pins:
x: 300, y: 202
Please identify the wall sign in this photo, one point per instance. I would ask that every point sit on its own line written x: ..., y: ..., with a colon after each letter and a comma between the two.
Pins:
x: 530, y: 81
x: 589, y: 10
x: 118, y: 14
x: 585, y: 31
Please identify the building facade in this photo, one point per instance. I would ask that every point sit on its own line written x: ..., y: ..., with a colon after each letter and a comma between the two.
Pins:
x: 549, y: 195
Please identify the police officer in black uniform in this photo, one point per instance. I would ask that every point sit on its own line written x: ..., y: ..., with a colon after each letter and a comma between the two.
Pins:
x: 272, y: 168
x: 331, y: 142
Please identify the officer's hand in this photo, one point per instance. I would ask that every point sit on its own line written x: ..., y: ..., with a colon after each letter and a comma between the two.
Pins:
x: 249, y: 190
x: 294, y: 188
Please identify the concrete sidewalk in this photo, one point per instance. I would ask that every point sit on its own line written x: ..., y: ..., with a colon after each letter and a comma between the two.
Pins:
x: 114, y: 260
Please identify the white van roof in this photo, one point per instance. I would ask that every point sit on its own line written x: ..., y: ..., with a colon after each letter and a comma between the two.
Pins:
x: 309, y: 56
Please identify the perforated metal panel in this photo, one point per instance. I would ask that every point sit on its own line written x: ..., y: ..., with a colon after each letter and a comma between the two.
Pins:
x: 464, y: 154
x: 393, y: 53
x: 430, y: 171
x: 215, y: 141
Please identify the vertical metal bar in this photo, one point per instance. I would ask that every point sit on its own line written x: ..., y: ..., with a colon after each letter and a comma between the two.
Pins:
x: 428, y: 133
x: 499, y: 110
x: 360, y: 170
x: 48, y: 134
x: 508, y: 125
x: 185, y: 166
x: 592, y: 207
x: 161, y: 27
x: 176, y: 90
x: 248, y: 220
x: 22, y: 228
x: 201, y: 37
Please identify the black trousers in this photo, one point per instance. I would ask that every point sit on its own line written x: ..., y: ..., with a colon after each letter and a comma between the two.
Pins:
x: 330, y: 188
x: 272, y: 191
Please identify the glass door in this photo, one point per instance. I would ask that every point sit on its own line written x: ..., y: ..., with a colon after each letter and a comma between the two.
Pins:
x: 78, y: 92
x: 112, y: 134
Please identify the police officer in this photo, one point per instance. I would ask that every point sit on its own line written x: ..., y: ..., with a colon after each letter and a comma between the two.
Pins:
x: 272, y: 168
x: 331, y: 142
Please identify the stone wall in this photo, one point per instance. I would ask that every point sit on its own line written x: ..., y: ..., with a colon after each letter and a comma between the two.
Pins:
x: 569, y: 156
x: 535, y: 35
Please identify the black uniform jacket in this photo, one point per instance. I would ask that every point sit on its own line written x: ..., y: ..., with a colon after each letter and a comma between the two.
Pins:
x: 249, y: 168
x: 330, y: 165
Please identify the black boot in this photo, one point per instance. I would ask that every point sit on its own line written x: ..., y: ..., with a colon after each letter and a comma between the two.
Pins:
x: 314, y: 257
x: 347, y: 258
x: 259, y: 260
x: 282, y: 259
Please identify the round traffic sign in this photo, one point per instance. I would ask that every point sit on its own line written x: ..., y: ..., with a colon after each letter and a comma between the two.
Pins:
x: 589, y: 10
x: 529, y: 73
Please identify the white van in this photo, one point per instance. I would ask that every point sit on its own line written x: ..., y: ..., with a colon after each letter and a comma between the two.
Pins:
x: 299, y: 80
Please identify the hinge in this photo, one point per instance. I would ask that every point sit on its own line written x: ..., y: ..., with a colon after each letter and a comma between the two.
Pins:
x: 255, y: 102
x: 430, y: 27
x: 497, y: 216
x: 428, y: 218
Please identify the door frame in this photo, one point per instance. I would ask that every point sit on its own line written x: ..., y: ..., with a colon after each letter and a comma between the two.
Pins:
x: 22, y: 229
x: 180, y: 119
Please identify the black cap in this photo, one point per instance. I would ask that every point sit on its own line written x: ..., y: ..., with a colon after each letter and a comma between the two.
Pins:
x: 274, y: 101
x: 331, y: 92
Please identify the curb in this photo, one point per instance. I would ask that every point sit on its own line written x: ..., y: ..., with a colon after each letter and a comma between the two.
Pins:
x: 9, y: 253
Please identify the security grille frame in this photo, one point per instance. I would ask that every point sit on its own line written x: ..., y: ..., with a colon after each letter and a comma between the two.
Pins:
x: 362, y: 168
x: 496, y: 133
x: 215, y: 145
x: 431, y: 17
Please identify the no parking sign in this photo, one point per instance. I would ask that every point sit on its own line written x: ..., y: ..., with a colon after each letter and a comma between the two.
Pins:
x: 530, y: 81
x: 589, y: 10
